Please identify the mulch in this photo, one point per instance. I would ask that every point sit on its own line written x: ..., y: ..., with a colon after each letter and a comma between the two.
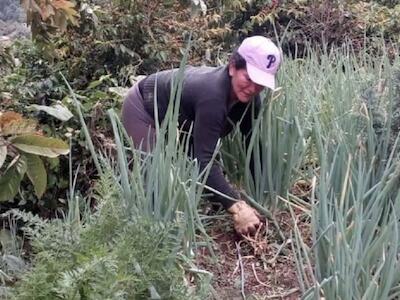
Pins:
x: 261, y: 266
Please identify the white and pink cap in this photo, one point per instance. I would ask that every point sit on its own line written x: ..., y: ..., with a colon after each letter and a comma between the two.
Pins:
x: 262, y: 58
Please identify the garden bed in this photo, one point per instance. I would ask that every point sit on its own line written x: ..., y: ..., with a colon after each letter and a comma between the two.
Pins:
x: 259, y: 266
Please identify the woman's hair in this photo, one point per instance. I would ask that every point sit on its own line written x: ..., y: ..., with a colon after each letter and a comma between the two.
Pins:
x: 237, y: 60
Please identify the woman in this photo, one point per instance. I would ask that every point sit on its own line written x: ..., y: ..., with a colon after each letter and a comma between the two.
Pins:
x: 212, y: 100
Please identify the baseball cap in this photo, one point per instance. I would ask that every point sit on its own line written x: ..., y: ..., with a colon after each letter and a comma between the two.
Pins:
x: 262, y: 58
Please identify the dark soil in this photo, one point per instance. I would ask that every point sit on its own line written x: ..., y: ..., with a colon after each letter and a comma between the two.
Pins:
x: 261, y: 266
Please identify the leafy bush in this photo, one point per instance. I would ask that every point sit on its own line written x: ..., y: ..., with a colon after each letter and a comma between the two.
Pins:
x: 23, y: 145
x: 35, y: 88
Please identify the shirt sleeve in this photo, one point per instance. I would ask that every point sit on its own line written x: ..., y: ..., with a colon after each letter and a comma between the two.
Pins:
x: 208, y: 124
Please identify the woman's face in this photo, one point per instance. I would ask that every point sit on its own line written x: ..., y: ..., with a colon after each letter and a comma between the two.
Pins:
x: 243, y: 89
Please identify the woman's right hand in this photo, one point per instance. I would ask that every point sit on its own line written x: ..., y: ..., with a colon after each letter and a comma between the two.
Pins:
x: 246, y: 219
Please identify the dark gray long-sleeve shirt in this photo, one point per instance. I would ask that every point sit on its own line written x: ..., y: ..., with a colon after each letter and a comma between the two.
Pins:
x: 205, y: 104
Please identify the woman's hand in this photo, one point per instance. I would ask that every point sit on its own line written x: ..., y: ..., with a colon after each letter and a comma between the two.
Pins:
x: 246, y: 219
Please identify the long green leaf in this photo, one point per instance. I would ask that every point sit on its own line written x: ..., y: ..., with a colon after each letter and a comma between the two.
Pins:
x: 84, y: 127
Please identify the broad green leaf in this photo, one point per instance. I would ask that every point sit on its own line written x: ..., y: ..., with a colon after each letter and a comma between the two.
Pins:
x: 9, y: 184
x: 127, y: 50
x: 21, y: 166
x: 40, y: 145
x: 3, y: 154
x: 53, y: 162
x: 36, y: 173
x: 58, y: 111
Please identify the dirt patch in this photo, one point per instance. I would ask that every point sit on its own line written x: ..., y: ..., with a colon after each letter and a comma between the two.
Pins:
x: 261, y: 266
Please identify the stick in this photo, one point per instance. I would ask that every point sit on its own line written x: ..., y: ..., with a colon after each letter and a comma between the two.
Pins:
x: 281, y: 247
x: 236, y: 268
x: 282, y: 296
x: 241, y: 270
x: 255, y: 275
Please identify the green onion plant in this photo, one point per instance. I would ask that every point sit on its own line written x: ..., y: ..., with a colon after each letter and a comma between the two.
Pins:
x: 355, y: 199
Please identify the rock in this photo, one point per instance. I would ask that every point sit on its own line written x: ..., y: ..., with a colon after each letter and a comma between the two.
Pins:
x: 4, y: 38
x: 12, y: 21
x: 5, y: 41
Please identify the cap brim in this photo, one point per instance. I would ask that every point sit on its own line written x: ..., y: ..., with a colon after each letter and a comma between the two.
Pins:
x: 260, y: 77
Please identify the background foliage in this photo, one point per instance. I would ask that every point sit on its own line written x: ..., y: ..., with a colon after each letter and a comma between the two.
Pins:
x: 101, y: 46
